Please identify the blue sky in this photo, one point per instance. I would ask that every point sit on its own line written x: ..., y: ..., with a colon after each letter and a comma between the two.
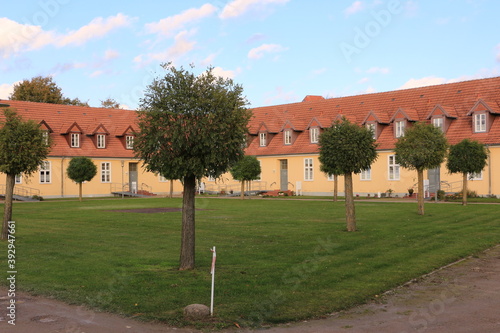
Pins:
x: 279, y: 50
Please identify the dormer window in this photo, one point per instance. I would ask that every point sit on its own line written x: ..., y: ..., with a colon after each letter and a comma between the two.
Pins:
x: 372, y: 127
x: 75, y: 140
x: 400, y: 128
x: 439, y: 123
x: 45, y: 137
x: 314, y: 134
x: 263, y: 139
x: 101, y: 141
x: 129, y: 142
x: 287, y: 137
x: 480, y: 122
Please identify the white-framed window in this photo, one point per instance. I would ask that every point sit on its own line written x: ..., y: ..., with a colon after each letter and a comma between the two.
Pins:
x: 475, y: 176
x: 288, y: 137
x: 210, y: 178
x: 46, y: 136
x: 263, y: 139
x: 439, y: 123
x: 480, y: 122
x: 400, y: 128
x: 129, y: 142
x: 19, y: 179
x: 366, y: 174
x: 162, y: 179
x: 393, y: 168
x: 75, y: 140
x: 314, y: 134
x: 259, y: 177
x: 308, y: 169
x: 373, y: 128
x: 45, y: 172
x: 331, y: 177
x: 101, y: 141
x: 105, y: 172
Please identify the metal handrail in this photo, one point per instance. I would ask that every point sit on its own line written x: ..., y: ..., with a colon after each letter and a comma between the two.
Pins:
x: 22, y: 191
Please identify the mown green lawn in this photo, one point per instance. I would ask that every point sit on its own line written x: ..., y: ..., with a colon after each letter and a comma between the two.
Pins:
x: 277, y: 260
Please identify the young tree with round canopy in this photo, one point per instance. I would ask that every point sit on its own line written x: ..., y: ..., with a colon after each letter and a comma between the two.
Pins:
x: 23, y: 147
x: 191, y: 126
x: 422, y: 147
x: 344, y: 149
x: 467, y: 157
x: 246, y: 170
x: 81, y: 169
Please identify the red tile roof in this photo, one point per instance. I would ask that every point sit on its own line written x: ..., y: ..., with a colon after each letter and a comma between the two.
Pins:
x: 61, y: 120
x: 456, y: 101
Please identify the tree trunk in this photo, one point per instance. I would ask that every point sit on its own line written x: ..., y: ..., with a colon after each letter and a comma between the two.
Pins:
x: 242, y: 195
x: 464, y: 191
x: 171, y: 188
x: 335, y: 187
x: 188, y: 225
x: 350, y: 214
x: 7, y: 212
x: 420, y: 195
x: 80, y: 191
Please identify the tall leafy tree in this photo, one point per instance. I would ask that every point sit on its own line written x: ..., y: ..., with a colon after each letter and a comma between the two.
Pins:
x: 467, y: 157
x: 81, y: 169
x: 23, y: 147
x: 191, y: 126
x: 344, y: 149
x: 110, y: 103
x: 246, y: 170
x: 422, y: 147
x: 42, y: 90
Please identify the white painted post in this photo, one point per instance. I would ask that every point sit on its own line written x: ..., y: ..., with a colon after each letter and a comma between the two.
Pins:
x: 212, y: 271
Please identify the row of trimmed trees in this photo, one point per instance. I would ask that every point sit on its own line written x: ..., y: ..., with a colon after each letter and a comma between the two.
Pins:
x: 194, y: 126
x: 347, y: 148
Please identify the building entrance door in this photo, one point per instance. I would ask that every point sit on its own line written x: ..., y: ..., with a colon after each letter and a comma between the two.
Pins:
x: 283, y: 175
x: 434, y: 180
x: 133, y: 177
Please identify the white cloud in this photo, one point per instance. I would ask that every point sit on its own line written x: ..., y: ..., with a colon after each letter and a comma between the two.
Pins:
x: 356, y: 7
x: 96, y: 73
x: 17, y: 37
x: 239, y: 7
x: 498, y: 52
x: 378, y: 70
x: 170, y: 25
x: 363, y: 80
x: 208, y: 60
x: 280, y: 96
x: 423, y: 82
x: 182, y: 45
x: 319, y: 71
x: 6, y: 90
x: 111, y: 54
x: 227, y: 74
x: 97, y: 28
x: 258, y: 52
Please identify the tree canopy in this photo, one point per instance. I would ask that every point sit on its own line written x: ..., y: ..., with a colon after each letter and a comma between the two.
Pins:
x: 42, y: 90
x: 346, y: 148
x: 110, y: 103
x: 247, y: 169
x: 23, y: 147
x: 467, y: 157
x: 191, y: 126
x: 422, y: 147
x: 81, y: 169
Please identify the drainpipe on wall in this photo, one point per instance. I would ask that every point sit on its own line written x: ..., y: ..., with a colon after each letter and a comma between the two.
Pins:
x: 489, y: 172
x: 62, y: 177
